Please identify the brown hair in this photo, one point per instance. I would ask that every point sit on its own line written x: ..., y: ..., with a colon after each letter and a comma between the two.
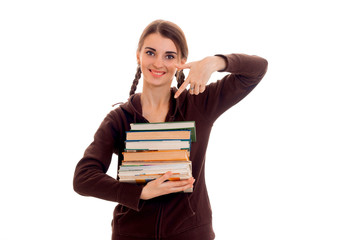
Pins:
x: 169, y: 30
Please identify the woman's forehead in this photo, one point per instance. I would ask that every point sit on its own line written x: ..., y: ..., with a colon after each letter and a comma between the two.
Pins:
x: 159, y: 43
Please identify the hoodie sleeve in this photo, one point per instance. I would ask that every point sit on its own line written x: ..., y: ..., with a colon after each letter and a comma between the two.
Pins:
x: 245, y: 73
x: 90, y: 178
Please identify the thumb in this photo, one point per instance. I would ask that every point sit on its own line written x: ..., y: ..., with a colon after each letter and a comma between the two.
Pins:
x: 183, y: 66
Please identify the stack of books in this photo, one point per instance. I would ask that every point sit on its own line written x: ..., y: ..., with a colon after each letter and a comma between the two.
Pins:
x: 152, y: 149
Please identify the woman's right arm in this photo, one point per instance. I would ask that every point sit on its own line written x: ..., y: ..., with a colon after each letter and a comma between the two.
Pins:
x: 90, y: 178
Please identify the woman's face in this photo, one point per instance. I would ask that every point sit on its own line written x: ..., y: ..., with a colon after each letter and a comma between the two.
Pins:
x: 157, y: 59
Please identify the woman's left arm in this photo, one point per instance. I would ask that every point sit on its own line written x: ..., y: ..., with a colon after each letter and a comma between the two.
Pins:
x: 246, y: 71
x: 253, y: 67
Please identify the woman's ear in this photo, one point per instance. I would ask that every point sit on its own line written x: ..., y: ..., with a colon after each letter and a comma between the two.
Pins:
x: 138, y: 58
x: 183, y: 61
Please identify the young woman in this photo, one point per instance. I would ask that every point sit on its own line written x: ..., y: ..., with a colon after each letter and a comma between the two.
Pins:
x: 159, y: 209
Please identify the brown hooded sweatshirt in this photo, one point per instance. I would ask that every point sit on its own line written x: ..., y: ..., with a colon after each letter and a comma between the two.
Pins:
x: 178, y: 215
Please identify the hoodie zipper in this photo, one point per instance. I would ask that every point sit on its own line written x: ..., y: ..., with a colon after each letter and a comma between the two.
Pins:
x: 158, y: 224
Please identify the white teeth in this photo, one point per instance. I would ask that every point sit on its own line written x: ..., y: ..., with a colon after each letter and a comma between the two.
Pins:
x: 157, y: 73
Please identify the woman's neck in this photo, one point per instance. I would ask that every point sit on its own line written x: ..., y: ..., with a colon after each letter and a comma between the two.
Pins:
x: 155, y: 97
x: 155, y: 103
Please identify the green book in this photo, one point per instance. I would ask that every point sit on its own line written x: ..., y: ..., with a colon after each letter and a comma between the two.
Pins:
x: 166, y: 126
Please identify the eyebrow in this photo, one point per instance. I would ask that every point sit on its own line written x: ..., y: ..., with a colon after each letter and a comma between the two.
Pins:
x: 153, y: 49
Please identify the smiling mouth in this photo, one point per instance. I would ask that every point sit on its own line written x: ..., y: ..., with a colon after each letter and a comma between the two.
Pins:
x: 156, y: 73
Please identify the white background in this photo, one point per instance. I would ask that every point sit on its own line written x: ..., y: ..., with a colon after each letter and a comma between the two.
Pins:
x: 282, y: 164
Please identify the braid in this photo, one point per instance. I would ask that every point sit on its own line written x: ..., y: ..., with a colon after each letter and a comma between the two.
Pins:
x: 180, y: 77
x: 136, y: 80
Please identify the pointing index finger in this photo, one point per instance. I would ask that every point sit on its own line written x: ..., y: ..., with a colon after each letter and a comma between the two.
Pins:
x: 182, y: 88
x: 186, y: 82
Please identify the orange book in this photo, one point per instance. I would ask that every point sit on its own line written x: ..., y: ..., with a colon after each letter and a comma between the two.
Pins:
x: 158, y: 135
x: 166, y: 155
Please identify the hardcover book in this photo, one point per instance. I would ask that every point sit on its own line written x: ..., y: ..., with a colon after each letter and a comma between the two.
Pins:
x: 151, y: 145
x: 158, y: 135
x: 190, y: 125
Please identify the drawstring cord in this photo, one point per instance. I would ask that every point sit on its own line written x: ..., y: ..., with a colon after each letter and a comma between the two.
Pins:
x: 177, y: 109
x: 119, y: 103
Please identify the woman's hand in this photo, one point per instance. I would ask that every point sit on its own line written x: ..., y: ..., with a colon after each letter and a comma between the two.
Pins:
x: 160, y: 186
x: 200, y: 73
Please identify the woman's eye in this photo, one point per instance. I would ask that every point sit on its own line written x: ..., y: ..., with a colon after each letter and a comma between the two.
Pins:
x: 150, y: 53
x: 170, y: 57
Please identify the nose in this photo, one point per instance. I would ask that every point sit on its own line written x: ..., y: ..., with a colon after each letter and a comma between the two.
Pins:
x: 158, y: 62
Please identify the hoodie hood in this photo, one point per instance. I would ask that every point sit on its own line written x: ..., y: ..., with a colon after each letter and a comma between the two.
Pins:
x: 133, y: 107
